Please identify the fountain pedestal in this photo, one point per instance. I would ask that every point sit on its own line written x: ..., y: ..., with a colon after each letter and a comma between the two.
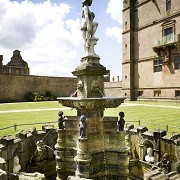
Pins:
x: 82, y: 159
x: 91, y: 75
x: 102, y: 154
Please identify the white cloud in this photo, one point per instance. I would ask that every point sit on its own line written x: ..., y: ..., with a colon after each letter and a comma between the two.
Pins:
x: 42, y: 32
x: 115, y: 10
x: 115, y: 33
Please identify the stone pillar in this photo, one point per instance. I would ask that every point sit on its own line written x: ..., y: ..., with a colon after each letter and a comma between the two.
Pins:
x: 60, y: 155
x: 82, y: 159
x: 142, y: 153
x: 158, y: 134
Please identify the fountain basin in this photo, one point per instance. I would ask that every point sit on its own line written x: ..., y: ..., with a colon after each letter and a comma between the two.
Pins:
x: 91, y: 104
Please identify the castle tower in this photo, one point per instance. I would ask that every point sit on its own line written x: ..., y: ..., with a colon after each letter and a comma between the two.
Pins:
x: 17, y: 65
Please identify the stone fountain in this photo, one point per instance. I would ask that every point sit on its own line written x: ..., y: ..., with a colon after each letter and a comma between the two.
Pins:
x: 101, y: 152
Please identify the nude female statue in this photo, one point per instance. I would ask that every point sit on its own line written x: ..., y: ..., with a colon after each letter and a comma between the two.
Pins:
x: 88, y: 27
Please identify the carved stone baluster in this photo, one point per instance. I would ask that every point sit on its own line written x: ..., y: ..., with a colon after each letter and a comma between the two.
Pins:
x: 60, y: 154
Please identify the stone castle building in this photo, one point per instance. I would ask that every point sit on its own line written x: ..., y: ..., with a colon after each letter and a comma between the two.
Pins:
x: 151, y: 49
x: 15, y: 66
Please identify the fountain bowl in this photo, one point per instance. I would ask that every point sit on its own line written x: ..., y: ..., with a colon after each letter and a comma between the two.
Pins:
x: 91, y: 104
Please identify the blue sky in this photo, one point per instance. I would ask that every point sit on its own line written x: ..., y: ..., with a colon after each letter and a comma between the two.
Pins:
x: 47, y: 32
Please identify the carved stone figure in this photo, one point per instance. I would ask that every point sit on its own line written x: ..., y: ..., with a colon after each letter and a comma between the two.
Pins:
x: 149, y: 157
x: 82, y: 126
x: 41, y: 152
x: 95, y: 85
x: 165, y: 163
x: 61, y: 120
x: 17, y: 166
x: 88, y: 27
x: 80, y: 85
x: 121, y: 121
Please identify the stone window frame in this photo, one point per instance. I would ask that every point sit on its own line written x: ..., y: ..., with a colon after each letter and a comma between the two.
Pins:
x: 140, y: 93
x: 157, y: 65
x: 177, y: 63
x: 168, y: 24
x: 177, y: 93
x: 168, y: 5
x: 157, y: 93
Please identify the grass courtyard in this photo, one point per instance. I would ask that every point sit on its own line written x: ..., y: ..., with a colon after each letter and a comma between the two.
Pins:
x: 160, y: 115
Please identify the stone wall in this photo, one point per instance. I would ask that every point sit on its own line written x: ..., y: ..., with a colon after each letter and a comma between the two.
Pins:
x: 113, y: 89
x: 16, y: 86
x: 144, y: 25
x: 24, y: 147
x: 140, y: 139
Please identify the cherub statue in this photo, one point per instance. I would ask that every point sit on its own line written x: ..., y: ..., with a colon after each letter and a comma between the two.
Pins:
x: 82, y: 126
x: 121, y: 121
x: 61, y: 120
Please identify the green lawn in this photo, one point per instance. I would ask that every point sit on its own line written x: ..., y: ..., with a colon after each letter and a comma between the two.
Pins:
x: 29, y: 105
x: 147, y: 114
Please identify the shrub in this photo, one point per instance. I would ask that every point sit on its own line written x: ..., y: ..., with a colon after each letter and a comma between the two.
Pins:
x: 32, y: 97
x: 29, y: 97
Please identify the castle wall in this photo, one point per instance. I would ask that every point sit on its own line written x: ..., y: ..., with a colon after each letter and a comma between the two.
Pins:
x: 113, y: 89
x: 16, y: 86
x: 145, y: 42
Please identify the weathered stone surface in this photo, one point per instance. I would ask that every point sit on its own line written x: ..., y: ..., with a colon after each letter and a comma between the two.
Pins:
x: 16, y: 86
x: 3, y: 175
x: 90, y: 104
x: 2, y: 164
x: 31, y: 176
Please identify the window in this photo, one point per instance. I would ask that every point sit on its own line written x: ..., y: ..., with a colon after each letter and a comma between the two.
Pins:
x: 168, y: 33
x: 177, y: 93
x: 140, y: 93
x: 157, y: 93
x: 168, y: 5
x: 157, y: 65
x: 177, y: 63
x: 126, y: 26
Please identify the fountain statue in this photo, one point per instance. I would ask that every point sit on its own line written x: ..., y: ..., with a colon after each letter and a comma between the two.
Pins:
x: 97, y: 148
x: 82, y: 126
x: 88, y: 27
x: 121, y: 121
